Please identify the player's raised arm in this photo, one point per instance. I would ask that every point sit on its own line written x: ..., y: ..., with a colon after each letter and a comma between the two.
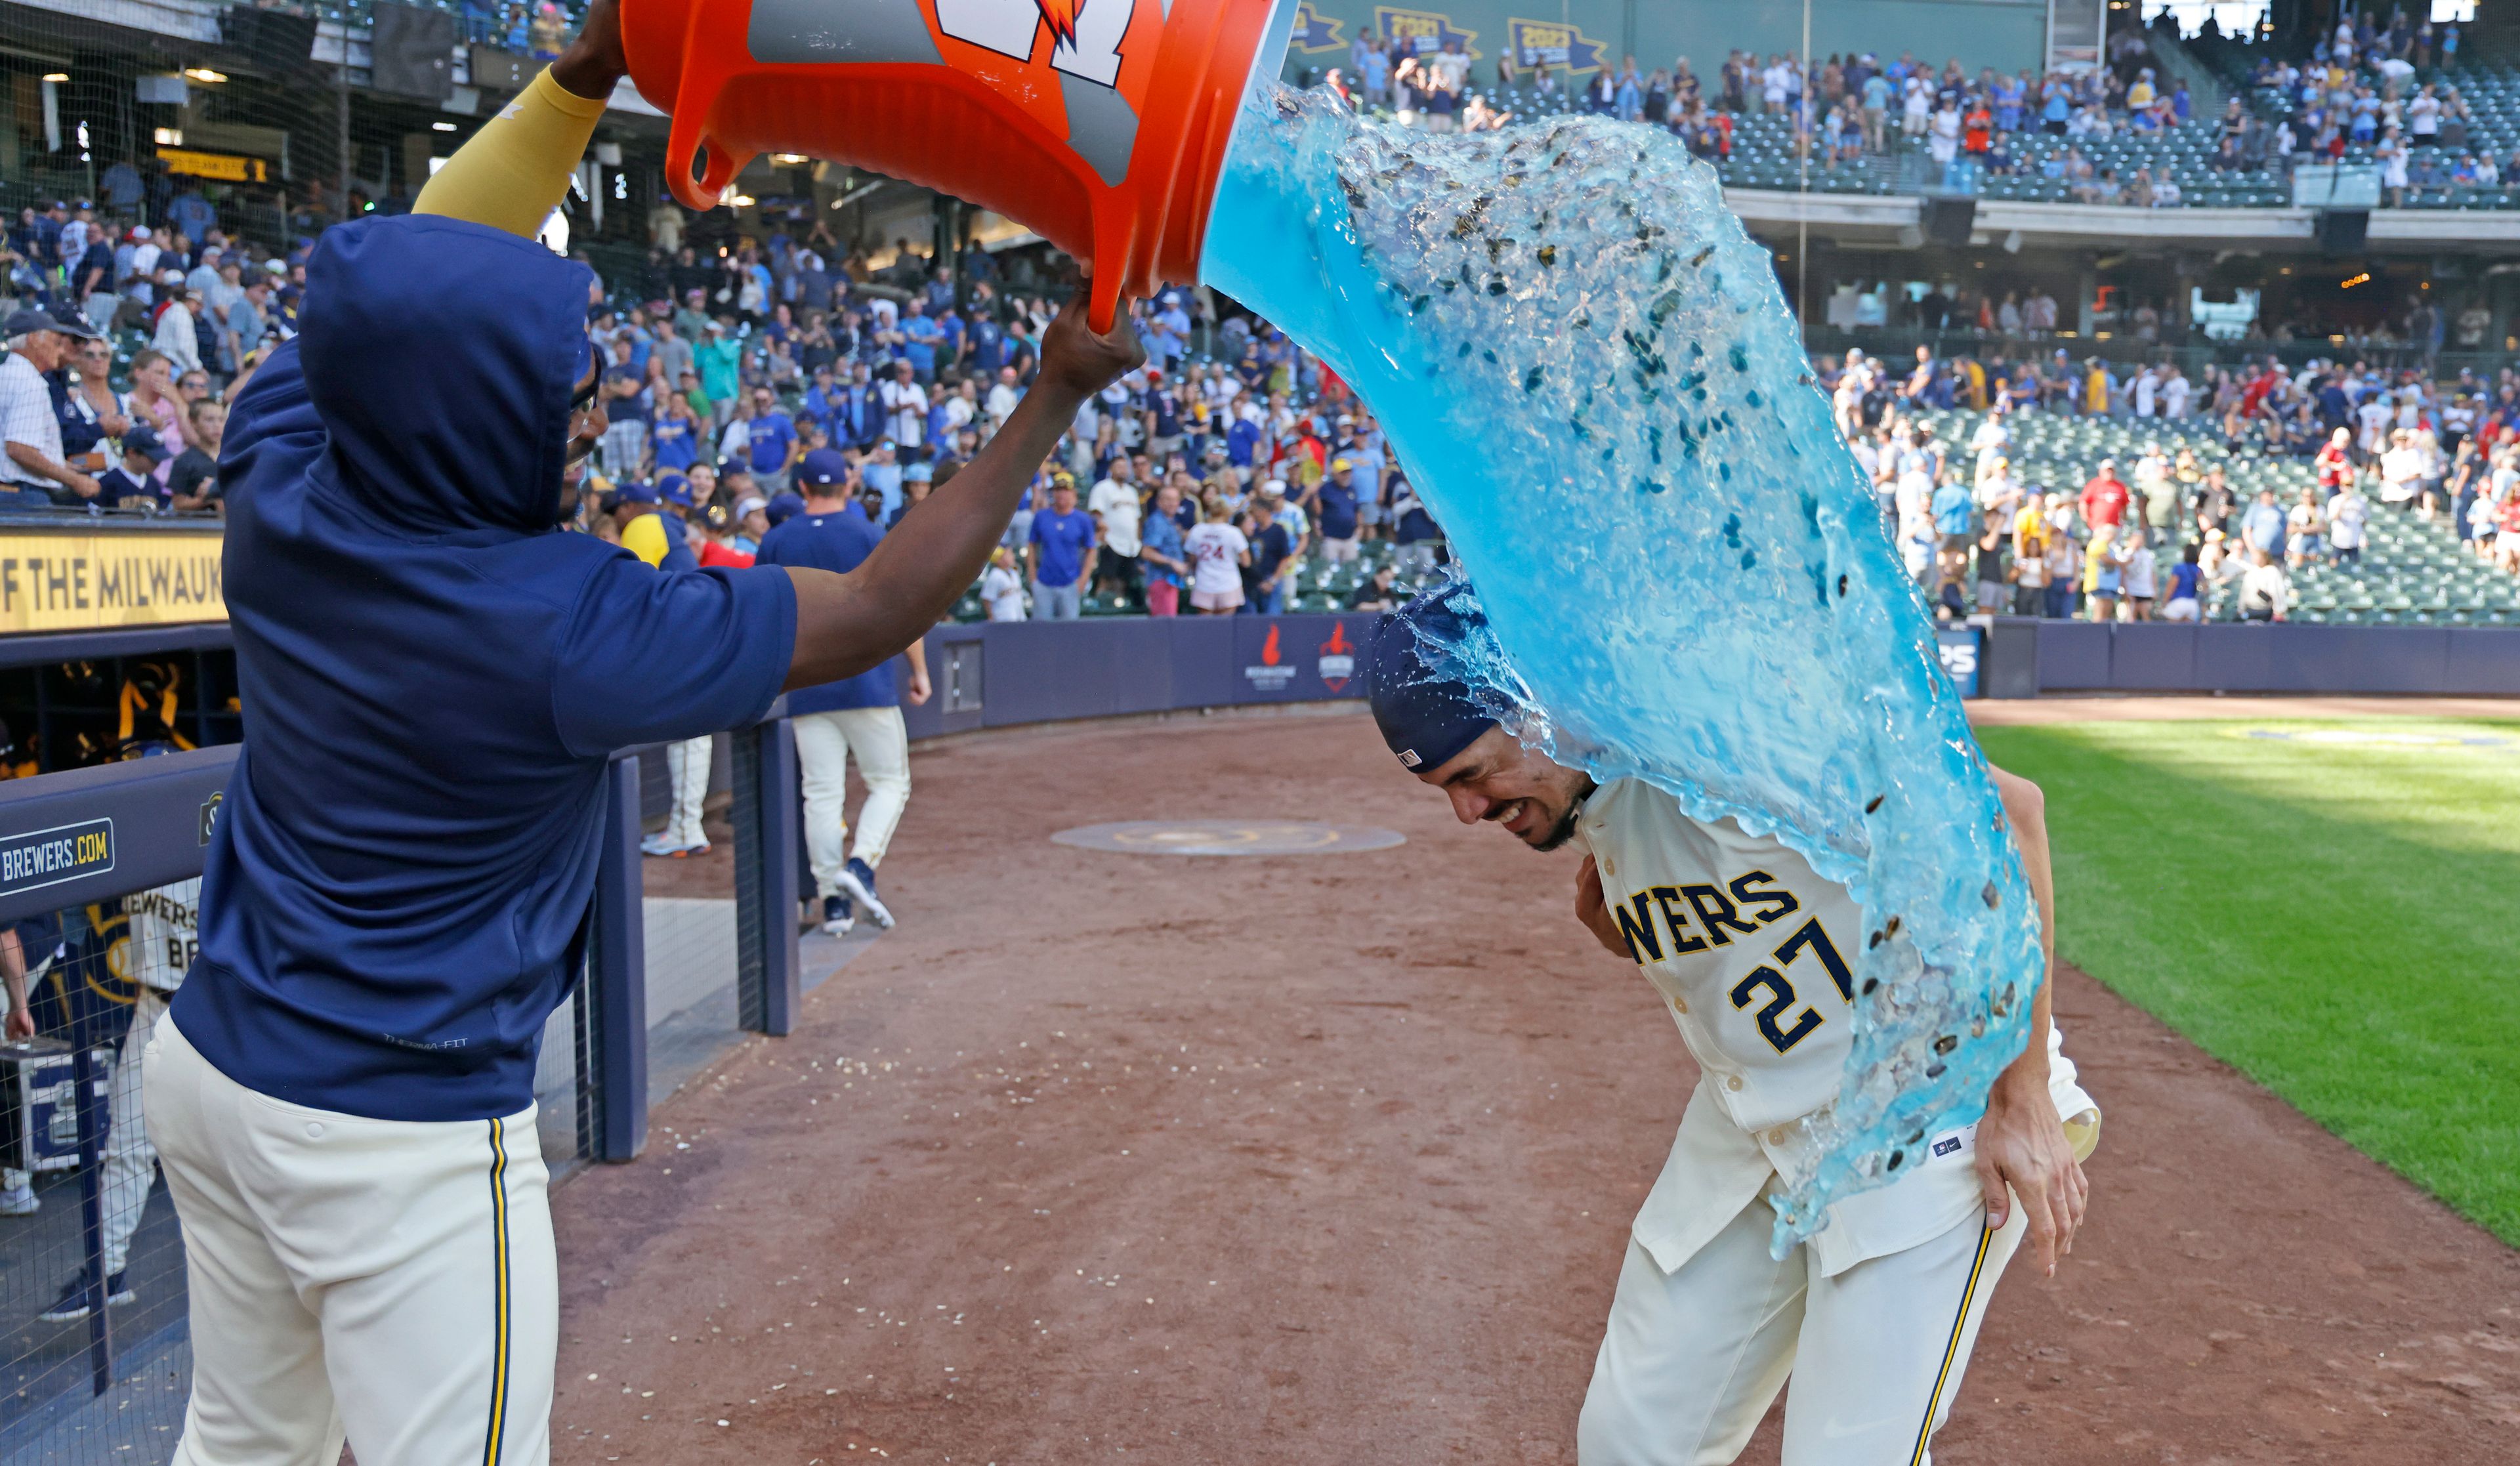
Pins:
x: 848, y: 623
x: 2021, y: 1145
x: 516, y: 170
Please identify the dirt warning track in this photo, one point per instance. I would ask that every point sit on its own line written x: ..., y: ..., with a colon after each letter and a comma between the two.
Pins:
x: 1329, y: 1158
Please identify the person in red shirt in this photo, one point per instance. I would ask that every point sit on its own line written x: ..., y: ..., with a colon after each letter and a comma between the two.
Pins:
x: 2335, y: 462
x: 1978, y: 129
x: 2104, y: 498
x: 717, y: 530
x: 2255, y: 391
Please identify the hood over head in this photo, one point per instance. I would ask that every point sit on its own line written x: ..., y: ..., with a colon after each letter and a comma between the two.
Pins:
x: 441, y: 356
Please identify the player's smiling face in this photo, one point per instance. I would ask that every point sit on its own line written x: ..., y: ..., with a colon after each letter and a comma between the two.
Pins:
x: 1497, y: 779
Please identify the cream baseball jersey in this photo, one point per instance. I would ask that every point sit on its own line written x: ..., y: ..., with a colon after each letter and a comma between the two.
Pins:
x: 1751, y: 952
x: 164, y: 936
x: 1748, y: 946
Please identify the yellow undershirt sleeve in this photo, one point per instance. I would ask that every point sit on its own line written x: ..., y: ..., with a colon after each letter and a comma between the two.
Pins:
x: 644, y: 537
x: 516, y: 170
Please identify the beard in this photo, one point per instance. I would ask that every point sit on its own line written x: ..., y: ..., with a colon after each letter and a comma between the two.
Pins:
x: 1564, y: 830
x: 1560, y: 832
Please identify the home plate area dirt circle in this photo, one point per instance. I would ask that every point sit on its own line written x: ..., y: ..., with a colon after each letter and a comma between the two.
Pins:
x: 1228, y: 837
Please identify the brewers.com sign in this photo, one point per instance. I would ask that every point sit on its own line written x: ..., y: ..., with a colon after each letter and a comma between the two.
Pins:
x: 90, y: 581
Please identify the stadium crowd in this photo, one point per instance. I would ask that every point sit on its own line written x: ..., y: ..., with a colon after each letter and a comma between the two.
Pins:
x: 2152, y: 537
x: 1841, y: 109
x: 200, y: 308
x: 1187, y: 487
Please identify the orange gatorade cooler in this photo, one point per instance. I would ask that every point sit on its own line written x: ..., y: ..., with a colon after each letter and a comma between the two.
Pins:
x: 1101, y: 124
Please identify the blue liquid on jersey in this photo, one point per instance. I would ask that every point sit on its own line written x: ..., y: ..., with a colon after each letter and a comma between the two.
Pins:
x: 1590, y: 373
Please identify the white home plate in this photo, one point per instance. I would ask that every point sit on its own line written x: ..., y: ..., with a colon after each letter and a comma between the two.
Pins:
x: 1227, y: 837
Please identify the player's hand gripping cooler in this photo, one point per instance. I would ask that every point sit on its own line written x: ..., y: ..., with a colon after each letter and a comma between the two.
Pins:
x: 1590, y: 373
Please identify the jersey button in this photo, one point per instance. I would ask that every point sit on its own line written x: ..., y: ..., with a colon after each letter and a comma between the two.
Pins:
x: 1679, y: 1004
x: 1732, y: 1083
x: 1777, y: 1137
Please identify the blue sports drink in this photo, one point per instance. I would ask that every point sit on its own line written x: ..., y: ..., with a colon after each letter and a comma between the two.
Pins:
x: 1589, y: 372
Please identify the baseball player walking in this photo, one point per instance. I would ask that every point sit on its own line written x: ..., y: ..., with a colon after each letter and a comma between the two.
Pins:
x: 397, y: 895
x: 1749, y: 951
x: 859, y: 714
x: 161, y: 937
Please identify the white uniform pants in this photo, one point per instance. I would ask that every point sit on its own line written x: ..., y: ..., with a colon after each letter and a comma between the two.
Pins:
x: 1692, y: 1359
x: 387, y: 1281
x: 689, y: 764
x: 130, y: 1162
x: 824, y: 744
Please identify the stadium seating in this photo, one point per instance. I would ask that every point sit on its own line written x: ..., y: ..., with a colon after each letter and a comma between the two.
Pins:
x: 2412, y: 572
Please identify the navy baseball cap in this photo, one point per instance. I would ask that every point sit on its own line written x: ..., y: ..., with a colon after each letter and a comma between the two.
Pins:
x: 635, y: 493
x: 781, y: 507
x: 1427, y: 716
x: 141, y: 439
x: 28, y: 322
x: 823, y: 467
x: 674, y: 488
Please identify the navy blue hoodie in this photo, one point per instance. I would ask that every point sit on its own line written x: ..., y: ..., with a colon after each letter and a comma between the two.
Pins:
x: 433, y: 677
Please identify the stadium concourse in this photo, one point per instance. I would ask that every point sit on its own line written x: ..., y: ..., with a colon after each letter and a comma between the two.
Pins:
x: 1105, y: 1156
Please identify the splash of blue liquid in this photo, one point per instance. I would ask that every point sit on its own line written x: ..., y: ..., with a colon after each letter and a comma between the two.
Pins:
x: 1589, y: 371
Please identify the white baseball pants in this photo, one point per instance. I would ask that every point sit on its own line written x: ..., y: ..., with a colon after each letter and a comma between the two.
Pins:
x: 387, y: 1282
x: 689, y: 762
x: 131, y: 1161
x: 824, y: 744
x: 1692, y: 1359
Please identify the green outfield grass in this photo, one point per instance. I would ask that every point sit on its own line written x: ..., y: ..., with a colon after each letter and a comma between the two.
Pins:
x: 2335, y: 915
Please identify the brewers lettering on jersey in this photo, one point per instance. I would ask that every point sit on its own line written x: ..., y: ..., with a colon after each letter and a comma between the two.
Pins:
x: 1746, y: 948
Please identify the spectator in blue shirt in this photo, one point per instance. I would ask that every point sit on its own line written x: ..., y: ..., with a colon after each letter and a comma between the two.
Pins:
x: 1334, y: 510
x: 1241, y: 441
x: 672, y: 438
x: 859, y: 715
x: 881, y: 473
x: 772, y: 444
x: 1953, y: 509
x: 919, y: 336
x: 2263, y: 526
x: 1062, y: 542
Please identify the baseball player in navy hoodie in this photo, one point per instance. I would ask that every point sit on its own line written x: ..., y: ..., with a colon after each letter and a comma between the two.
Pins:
x: 396, y: 898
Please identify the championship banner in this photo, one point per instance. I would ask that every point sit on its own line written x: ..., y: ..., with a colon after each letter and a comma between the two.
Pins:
x: 1421, y: 32
x: 1553, y: 43
x: 1315, y: 31
x: 91, y: 582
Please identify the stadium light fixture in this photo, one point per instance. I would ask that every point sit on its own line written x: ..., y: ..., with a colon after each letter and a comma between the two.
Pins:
x: 2351, y: 280
x: 442, y: 127
x: 168, y: 137
x: 204, y: 76
x: 57, y: 76
x: 789, y: 160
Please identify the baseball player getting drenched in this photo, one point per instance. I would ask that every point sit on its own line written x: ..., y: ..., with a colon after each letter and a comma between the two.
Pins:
x: 1874, y: 1316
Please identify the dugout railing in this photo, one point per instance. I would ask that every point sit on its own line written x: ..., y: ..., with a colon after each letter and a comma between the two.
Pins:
x: 100, y: 878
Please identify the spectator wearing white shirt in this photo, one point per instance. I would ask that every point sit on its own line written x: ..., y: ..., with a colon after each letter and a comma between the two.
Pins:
x: 177, y: 339
x: 905, y: 408
x: 1217, y: 552
x: 32, y: 431
x: 2265, y: 592
x: 2402, y: 470
x: 2346, y: 514
x: 1114, y: 504
x: 1003, y: 395
x: 1002, y: 587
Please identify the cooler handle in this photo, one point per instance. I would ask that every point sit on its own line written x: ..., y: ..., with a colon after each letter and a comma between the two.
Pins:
x: 707, y: 191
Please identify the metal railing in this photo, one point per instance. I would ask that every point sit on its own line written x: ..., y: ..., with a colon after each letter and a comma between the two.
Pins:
x: 103, y: 1371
